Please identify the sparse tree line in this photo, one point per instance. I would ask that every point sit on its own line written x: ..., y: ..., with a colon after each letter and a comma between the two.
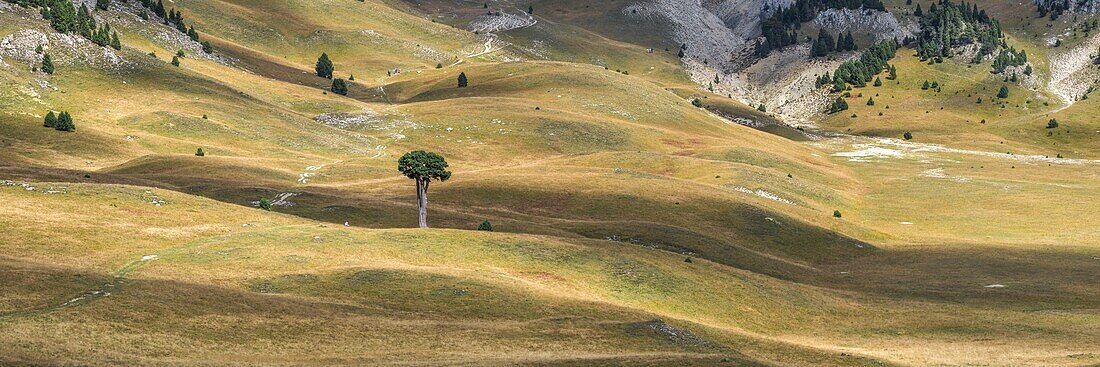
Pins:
x: 947, y: 25
x: 326, y: 69
x: 780, y: 30
x: 824, y: 45
x: 64, y: 17
x: 1052, y: 8
x: 175, y: 19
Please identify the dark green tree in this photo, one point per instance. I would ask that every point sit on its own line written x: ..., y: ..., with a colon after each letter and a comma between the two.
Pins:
x: 50, y: 120
x: 115, y: 42
x: 65, y: 122
x: 62, y: 16
x: 485, y: 226
x: 265, y: 204
x: 907, y: 135
x: 206, y: 47
x: 871, y: 101
x: 878, y: 82
x: 1052, y: 124
x: 1003, y: 93
x: 47, y: 64
x: 102, y: 4
x: 838, y: 105
x: 324, y: 66
x: 423, y: 167
x: 175, y: 61
x: 339, y: 86
x: 200, y: 153
x: 462, y: 81
x: 192, y: 34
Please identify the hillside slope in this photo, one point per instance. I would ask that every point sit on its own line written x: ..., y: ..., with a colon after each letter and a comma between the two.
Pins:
x: 638, y: 218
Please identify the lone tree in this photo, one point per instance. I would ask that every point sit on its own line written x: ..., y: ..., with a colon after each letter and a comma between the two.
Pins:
x: 462, y: 81
x: 1003, y: 93
x: 47, y: 64
x: 324, y: 66
x: 424, y: 167
x: 485, y: 226
x: 339, y: 86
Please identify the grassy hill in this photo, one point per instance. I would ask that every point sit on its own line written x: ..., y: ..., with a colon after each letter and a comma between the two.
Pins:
x: 631, y: 227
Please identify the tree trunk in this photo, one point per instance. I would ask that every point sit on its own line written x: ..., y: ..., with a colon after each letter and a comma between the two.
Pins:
x: 422, y: 201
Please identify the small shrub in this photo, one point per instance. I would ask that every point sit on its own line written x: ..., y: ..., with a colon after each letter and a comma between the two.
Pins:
x: 1053, y: 123
x: 836, y: 214
x: 696, y: 102
x: 907, y: 135
x: 200, y: 153
x: 485, y: 226
x: 265, y: 204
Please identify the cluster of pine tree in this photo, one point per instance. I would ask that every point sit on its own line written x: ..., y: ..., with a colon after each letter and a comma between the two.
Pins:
x: 838, y: 105
x: 1052, y: 8
x: 65, y: 18
x: 947, y: 25
x: 859, y: 72
x: 824, y: 44
x: 62, y: 122
x: 1009, y: 57
x: 779, y: 29
x: 174, y: 18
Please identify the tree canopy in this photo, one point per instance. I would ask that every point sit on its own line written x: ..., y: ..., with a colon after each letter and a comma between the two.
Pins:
x: 324, y: 66
x: 423, y: 166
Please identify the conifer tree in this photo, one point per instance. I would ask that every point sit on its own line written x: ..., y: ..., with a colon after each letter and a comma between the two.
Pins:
x: 462, y: 81
x: 62, y: 16
x: 339, y: 86
x: 115, y: 42
x: 207, y: 48
x: 485, y: 226
x: 324, y: 66
x: 192, y: 34
x: 1003, y: 93
x: 47, y: 64
x: 175, y: 61
x: 50, y: 120
x: 64, y: 122
x: 878, y: 82
x: 102, y: 4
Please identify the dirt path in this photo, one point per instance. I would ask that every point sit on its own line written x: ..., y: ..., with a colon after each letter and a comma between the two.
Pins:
x: 117, y: 282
